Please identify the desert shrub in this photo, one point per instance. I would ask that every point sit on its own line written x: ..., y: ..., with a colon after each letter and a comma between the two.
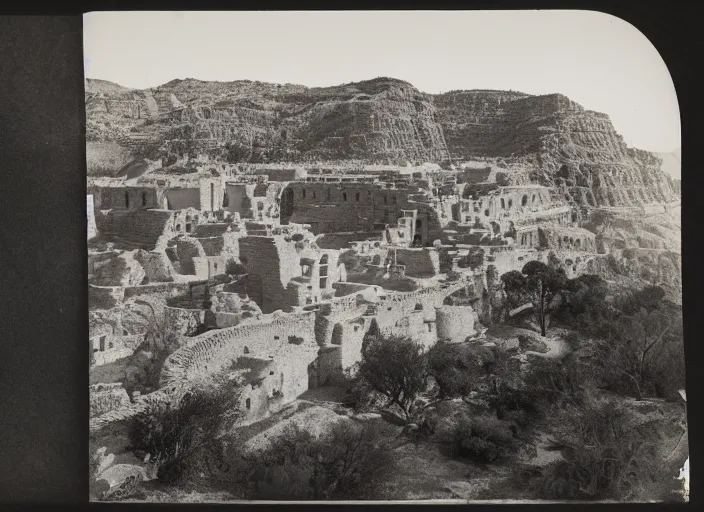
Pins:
x: 482, y: 438
x: 346, y: 462
x: 555, y: 381
x: 603, y: 458
x: 172, y: 433
x: 456, y: 369
x: 360, y: 394
x: 400, y: 382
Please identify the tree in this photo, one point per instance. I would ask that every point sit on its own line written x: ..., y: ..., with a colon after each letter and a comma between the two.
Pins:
x: 456, y: 369
x: 171, y: 434
x: 644, y: 336
x: 347, y: 461
x: 514, y: 284
x: 396, y: 367
x: 542, y: 284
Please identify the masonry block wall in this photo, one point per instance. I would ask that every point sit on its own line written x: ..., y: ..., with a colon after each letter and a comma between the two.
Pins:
x: 140, y: 227
x: 107, y: 397
x: 211, y: 194
x: 288, y: 339
x: 455, y: 323
x: 128, y: 197
x: 273, y: 265
x: 346, y: 207
x: 183, y: 321
x: 156, y: 265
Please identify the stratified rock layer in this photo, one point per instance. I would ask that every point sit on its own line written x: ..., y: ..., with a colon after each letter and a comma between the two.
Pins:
x: 577, y: 151
x: 380, y: 120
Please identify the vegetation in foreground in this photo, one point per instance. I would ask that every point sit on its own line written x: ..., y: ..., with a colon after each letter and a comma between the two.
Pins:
x: 623, y: 346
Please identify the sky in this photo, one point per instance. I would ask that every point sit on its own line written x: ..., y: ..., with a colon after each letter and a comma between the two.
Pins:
x: 600, y: 61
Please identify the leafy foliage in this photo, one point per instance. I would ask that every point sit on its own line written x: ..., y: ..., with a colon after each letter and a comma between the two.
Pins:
x: 346, y: 462
x: 456, y: 369
x: 604, y: 458
x: 170, y: 434
x: 482, y: 438
x: 396, y: 367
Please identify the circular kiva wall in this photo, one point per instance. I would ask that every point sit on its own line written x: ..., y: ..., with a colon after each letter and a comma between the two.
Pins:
x: 454, y: 323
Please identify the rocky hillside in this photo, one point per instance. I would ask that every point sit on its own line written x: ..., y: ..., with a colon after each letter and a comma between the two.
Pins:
x: 383, y: 120
x: 558, y: 141
x: 553, y: 140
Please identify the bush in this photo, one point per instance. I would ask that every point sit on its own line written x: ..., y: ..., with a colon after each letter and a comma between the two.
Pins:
x: 481, y: 438
x: 456, y: 369
x: 347, y: 462
x: 400, y: 382
x: 171, y: 434
x: 603, y: 457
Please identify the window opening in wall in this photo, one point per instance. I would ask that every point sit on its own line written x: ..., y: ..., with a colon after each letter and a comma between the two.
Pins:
x: 144, y: 199
x: 102, y: 343
x: 276, y: 337
x: 533, y: 200
x: 486, y: 212
x: 356, y: 196
x: 393, y: 199
x: 503, y: 204
x: 212, y: 197
x: 110, y: 345
x: 510, y: 204
x: 246, y: 350
x: 178, y: 227
x: 344, y: 196
x: 314, y: 194
x: 524, y: 201
x: 303, y: 193
x: 271, y: 372
x: 248, y: 403
x: 386, y: 199
x: 127, y: 199
x: 188, y: 227
x: 430, y: 327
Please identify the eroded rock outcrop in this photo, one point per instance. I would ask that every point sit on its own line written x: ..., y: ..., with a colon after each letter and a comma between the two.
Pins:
x: 382, y: 120
x: 563, y: 145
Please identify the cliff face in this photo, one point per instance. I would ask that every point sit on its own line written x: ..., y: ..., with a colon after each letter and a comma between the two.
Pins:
x: 381, y: 120
x: 551, y: 139
x: 577, y: 151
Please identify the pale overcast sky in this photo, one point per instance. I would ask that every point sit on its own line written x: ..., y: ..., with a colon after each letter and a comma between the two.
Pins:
x: 597, y: 60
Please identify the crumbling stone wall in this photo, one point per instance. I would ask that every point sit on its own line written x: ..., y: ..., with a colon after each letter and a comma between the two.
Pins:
x: 142, y: 228
x: 156, y: 265
x: 288, y: 339
x: 181, y: 198
x: 455, y: 323
x: 128, y: 197
x: 569, y: 239
x: 107, y: 397
x: 187, y: 249
x: 183, y: 321
x: 354, y: 207
x: 211, y: 193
